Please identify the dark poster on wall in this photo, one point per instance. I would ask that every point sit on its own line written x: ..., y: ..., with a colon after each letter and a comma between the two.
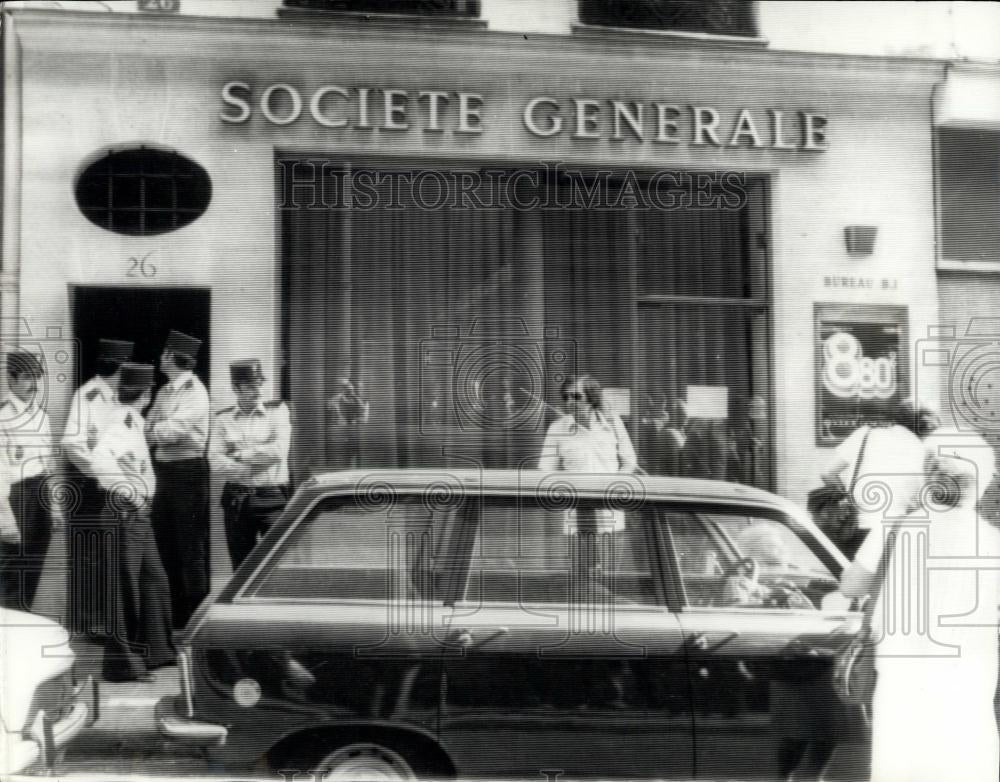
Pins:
x: 861, y: 368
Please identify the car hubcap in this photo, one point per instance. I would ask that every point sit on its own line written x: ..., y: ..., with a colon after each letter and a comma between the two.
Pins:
x: 365, y: 763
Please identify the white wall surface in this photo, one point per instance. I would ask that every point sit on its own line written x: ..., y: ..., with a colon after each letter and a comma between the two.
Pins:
x: 953, y: 30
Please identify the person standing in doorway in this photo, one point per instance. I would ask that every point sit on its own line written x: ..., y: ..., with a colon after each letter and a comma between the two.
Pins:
x: 140, y: 640
x: 250, y: 443
x: 177, y: 432
x: 89, y: 549
x: 27, y: 452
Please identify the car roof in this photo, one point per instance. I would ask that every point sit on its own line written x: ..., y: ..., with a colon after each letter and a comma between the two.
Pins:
x: 617, y: 485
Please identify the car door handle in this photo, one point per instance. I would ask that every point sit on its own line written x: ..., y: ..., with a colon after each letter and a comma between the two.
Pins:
x: 702, y: 643
x: 466, y: 639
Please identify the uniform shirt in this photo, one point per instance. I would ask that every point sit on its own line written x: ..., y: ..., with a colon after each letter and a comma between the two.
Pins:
x: 602, y: 446
x: 121, y: 457
x: 178, y: 421
x: 92, y: 403
x: 239, y: 439
x: 26, y: 437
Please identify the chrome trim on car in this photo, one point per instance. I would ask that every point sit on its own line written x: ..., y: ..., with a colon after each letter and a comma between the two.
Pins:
x: 169, y: 724
x: 187, y: 682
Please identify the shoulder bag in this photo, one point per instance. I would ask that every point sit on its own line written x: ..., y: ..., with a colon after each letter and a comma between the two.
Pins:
x: 854, y: 671
x: 833, y: 508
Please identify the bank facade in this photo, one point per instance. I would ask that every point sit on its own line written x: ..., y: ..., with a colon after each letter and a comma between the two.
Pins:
x: 455, y: 218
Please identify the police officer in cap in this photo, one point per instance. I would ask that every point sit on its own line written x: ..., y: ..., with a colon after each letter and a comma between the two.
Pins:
x: 141, y: 638
x: 177, y: 431
x: 28, y: 456
x: 250, y: 443
x: 89, y: 548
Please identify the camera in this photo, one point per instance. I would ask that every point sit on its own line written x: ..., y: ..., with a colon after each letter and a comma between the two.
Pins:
x: 491, y: 379
x: 58, y: 355
x: 969, y: 370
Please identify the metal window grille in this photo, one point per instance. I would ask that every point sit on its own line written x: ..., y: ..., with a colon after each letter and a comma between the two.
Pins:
x: 143, y: 192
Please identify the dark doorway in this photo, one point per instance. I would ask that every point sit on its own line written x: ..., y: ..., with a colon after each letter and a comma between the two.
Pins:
x: 142, y: 315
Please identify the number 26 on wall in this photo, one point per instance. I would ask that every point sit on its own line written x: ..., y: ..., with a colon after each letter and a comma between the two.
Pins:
x: 141, y: 267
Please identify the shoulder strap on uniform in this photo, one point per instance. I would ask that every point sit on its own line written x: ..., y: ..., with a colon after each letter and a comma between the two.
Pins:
x: 93, y: 394
x: 274, y: 403
x: 187, y: 386
x: 227, y: 410
x: 128, y: 420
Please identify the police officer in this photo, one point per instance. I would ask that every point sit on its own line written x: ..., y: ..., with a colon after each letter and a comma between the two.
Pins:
x: 27, y: 450
x: 250, y: 443
x: 177, y: 432
x: 141, y: 638
x: 90, y: 549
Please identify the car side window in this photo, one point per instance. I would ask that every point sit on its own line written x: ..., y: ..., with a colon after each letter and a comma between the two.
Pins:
x: 524, y: 553
x: 360, y: 551
x: 734, y: 560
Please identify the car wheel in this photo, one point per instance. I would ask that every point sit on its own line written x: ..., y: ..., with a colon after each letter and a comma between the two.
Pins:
x: 364, y: 762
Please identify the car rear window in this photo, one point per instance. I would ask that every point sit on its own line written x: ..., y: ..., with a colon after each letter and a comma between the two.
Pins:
x: 348, y: 550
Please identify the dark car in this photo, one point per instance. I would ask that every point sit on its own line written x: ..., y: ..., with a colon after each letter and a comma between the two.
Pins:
x: 521, y: 624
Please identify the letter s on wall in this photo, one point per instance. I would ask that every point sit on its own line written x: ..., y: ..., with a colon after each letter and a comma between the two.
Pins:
x: 231, y: 99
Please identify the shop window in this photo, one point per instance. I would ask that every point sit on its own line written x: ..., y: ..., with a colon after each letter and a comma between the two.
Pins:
x: 717, y: 17
x: 969, y: 169
x: 143, y: 192
x: 455, y: 318
x: 456, y: 8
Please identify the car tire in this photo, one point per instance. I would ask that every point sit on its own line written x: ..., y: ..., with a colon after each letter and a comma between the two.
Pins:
x: 364, y: 761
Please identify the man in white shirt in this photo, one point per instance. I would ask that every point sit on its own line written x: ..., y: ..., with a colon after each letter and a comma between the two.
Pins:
x: 89, y: 548
x: 27, y: 452
x: 889, y: 462
x: 177, y: 431
x: 249, y: 446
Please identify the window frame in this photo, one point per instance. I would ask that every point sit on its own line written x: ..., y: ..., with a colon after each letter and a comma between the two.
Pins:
x: 146, y: 165
x: 247, y: 593
x: 682, y: 605
x: 472, y: 524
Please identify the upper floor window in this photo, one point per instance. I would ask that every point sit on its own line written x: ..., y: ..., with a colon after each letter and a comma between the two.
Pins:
x: 969, y: 180
x: 458, y: 8
x: 716, y: 17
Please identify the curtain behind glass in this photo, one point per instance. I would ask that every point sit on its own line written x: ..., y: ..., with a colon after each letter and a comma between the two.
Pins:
x: 423, y: 308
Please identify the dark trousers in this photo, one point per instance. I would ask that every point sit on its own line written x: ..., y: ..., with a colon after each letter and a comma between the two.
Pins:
x: 21, y: 563
x: 249, y: 514
x: 90, y: 549
x: 141, y: 637
x: 181, y: 524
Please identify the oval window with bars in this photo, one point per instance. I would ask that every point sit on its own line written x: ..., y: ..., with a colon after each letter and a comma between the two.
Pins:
x: 143, y: 191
